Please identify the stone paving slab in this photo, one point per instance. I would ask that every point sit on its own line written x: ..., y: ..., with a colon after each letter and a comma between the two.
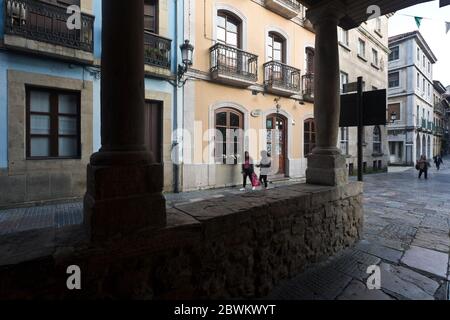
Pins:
x: 323, y: 283
x: 354, y: 263
x: 432, y: 239
x: 358, y: 290
x: 427, y: 260
x: 407, y: 284
x: 380, y: 251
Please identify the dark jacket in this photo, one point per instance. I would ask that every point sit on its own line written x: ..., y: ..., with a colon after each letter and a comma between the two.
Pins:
x: 250, y: 169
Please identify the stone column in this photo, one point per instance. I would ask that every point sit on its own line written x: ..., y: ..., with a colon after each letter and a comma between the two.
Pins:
x: 124, y: 185
x: 326, y: 165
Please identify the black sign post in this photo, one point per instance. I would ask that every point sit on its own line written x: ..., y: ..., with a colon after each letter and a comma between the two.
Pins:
x: 360, y: 128
x: 362, y: 109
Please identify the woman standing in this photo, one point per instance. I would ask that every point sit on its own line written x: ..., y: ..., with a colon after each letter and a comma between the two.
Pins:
x: 247, y: 169
x: 423, y: 166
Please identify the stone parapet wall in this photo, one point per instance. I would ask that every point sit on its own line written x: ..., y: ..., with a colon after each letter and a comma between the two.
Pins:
x: 234, y: 247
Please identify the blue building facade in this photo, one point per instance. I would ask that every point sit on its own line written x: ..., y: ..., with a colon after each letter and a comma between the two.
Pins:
x: 50, y: 80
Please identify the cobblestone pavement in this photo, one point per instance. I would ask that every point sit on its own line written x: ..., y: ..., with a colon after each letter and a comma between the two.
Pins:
x: 406, y: 234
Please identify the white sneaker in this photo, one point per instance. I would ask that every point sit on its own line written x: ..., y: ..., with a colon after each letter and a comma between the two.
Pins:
x: 242, y: 189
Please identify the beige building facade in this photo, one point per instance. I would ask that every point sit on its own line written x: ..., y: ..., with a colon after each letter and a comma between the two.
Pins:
x: 364, y: 52
x: 252, y: 74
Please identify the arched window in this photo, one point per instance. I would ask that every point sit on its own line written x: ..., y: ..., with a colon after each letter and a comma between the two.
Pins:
x: 309, y: 136
x: 229, y: 29
x: 229, y: 124
x: 377, y: 140
x: 276, y: 47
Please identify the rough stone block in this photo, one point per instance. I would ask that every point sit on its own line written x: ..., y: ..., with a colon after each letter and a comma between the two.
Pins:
x: 12, y: 189
x: 38, y: 187
x: 61, y: 185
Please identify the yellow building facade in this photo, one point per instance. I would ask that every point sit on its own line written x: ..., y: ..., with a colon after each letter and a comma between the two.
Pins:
x: 250, y: 88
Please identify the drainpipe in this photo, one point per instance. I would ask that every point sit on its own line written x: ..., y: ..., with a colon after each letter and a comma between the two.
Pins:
x: 175, y: 142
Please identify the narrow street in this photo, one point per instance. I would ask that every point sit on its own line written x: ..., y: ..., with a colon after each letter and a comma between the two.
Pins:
x: 406, y: 233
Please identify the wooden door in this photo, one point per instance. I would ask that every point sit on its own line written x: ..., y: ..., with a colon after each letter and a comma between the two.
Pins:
x: 154, y: 129
x: 277, y: 141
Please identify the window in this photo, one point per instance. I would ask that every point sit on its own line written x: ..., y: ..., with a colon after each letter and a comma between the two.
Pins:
x: 429, y: 90
x: 229, y: 136
x: 377, y: 140
x: 276, y: 45
x: 53, y: 124
x: 309, y: 60
x: 418, y: 54
x: 423, y: 85
x: 418, y: 116
x: 378, y: 24
x: 429, y: 67
x: 228, y: 29
x: 151, y: 16
x: 394, y: 79
x: 309, y: 136
x: 344, y: 80
x: 361, y: 48
x: 374, y: 57
x: 394, y: 55
x: 423, y: 61
x: 418, y: 80
x: 344, y: 141
x: 343, y: 36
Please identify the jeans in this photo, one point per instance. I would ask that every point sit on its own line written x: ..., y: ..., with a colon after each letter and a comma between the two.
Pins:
x: 263, y: 179
x: 423, y: 171
x: 247, y: 174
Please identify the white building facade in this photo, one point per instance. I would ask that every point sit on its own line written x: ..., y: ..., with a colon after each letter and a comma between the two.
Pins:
x: 410, y: 98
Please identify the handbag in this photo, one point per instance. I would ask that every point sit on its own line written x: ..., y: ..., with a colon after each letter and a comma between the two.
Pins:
x: 255, y: 181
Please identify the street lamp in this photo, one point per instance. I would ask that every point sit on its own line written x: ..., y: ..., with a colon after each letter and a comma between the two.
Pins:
x: 393, y: 117
x: 187, y: 52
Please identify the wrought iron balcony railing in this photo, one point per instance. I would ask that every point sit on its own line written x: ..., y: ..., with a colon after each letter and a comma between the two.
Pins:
x: 280, y: 75
x: 293, y: 4
x: 157, y: 50
x: 45, y: 22
x: 233, y: 62
x: 308, y: 85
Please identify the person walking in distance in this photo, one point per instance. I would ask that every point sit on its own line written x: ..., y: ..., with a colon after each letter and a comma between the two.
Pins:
x: 265, y: 165
x: 438, y: 161
x: 422, y: 166
x: 247, y: 169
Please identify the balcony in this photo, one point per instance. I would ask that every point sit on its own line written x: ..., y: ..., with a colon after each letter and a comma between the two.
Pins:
x: 233, y: 66
x: 37, y: 26
x: 281, y: 79
x: 286, y: 8
x: 157, y: 53
x: 308, y: 87
x: 439, y: 108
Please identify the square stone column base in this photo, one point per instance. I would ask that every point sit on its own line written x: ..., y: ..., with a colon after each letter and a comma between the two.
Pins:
x: 326, y: 170
x: 121, y: 200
